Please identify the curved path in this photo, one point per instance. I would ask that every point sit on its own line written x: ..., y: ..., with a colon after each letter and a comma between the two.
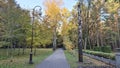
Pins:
x: 56, y: 60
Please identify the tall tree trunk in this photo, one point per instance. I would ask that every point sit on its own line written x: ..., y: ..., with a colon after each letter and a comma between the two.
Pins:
x: 54, y: 39
x: 89, y: 43
x: 80, y: 44
x: 24, y: 48
x: 98, y: 38
x: 34, y: 51
x: 85, y: 43
x: 18, y: 49
x: 8, y: 49
x: 101, y: 39
x: 118, y: 32
x: 11, y: 52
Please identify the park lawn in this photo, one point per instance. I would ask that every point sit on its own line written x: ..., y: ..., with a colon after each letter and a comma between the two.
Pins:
x: 22, y: 60
x: 72, y: 60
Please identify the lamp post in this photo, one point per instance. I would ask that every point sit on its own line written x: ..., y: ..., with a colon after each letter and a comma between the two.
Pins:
x: 80, y: 53
x: 33, y: 14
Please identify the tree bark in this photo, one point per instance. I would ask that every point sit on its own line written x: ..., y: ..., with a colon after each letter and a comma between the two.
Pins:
x: 18, y: 49
x: 54, y: 39
x: 34, y: 51
x: 85, y: 43
x: 80, y: 44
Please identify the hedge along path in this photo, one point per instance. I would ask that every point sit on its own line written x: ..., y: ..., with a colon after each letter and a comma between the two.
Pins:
x: 56, y: 60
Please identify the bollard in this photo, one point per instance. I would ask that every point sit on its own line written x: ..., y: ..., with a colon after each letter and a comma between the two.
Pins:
x: 117, y: 57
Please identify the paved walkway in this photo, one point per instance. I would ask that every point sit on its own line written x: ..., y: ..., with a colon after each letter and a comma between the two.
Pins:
x: 56, y: 60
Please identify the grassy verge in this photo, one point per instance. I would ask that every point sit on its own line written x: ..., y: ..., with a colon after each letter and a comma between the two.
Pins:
x: 72, y: 60
x: 22, y: 61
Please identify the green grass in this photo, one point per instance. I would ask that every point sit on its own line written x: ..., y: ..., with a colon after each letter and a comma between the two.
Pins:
x: 22, y: 60
x: 72, y: 59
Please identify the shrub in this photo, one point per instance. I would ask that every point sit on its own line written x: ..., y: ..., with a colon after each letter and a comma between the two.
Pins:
x: 97, y: 48
x: 101, y: 54
x: 106, y: 49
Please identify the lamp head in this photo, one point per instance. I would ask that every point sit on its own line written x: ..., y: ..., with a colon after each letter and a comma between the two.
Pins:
x: 40, y: 12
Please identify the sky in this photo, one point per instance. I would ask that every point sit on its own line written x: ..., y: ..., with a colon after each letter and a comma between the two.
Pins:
x: 29, y: 4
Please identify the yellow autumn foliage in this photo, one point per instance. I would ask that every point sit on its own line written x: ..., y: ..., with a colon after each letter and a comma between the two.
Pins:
x: 53, y: 10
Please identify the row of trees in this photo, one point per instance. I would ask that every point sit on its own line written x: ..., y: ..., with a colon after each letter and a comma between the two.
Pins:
x: 101, y: 24
x: 16, y: 27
